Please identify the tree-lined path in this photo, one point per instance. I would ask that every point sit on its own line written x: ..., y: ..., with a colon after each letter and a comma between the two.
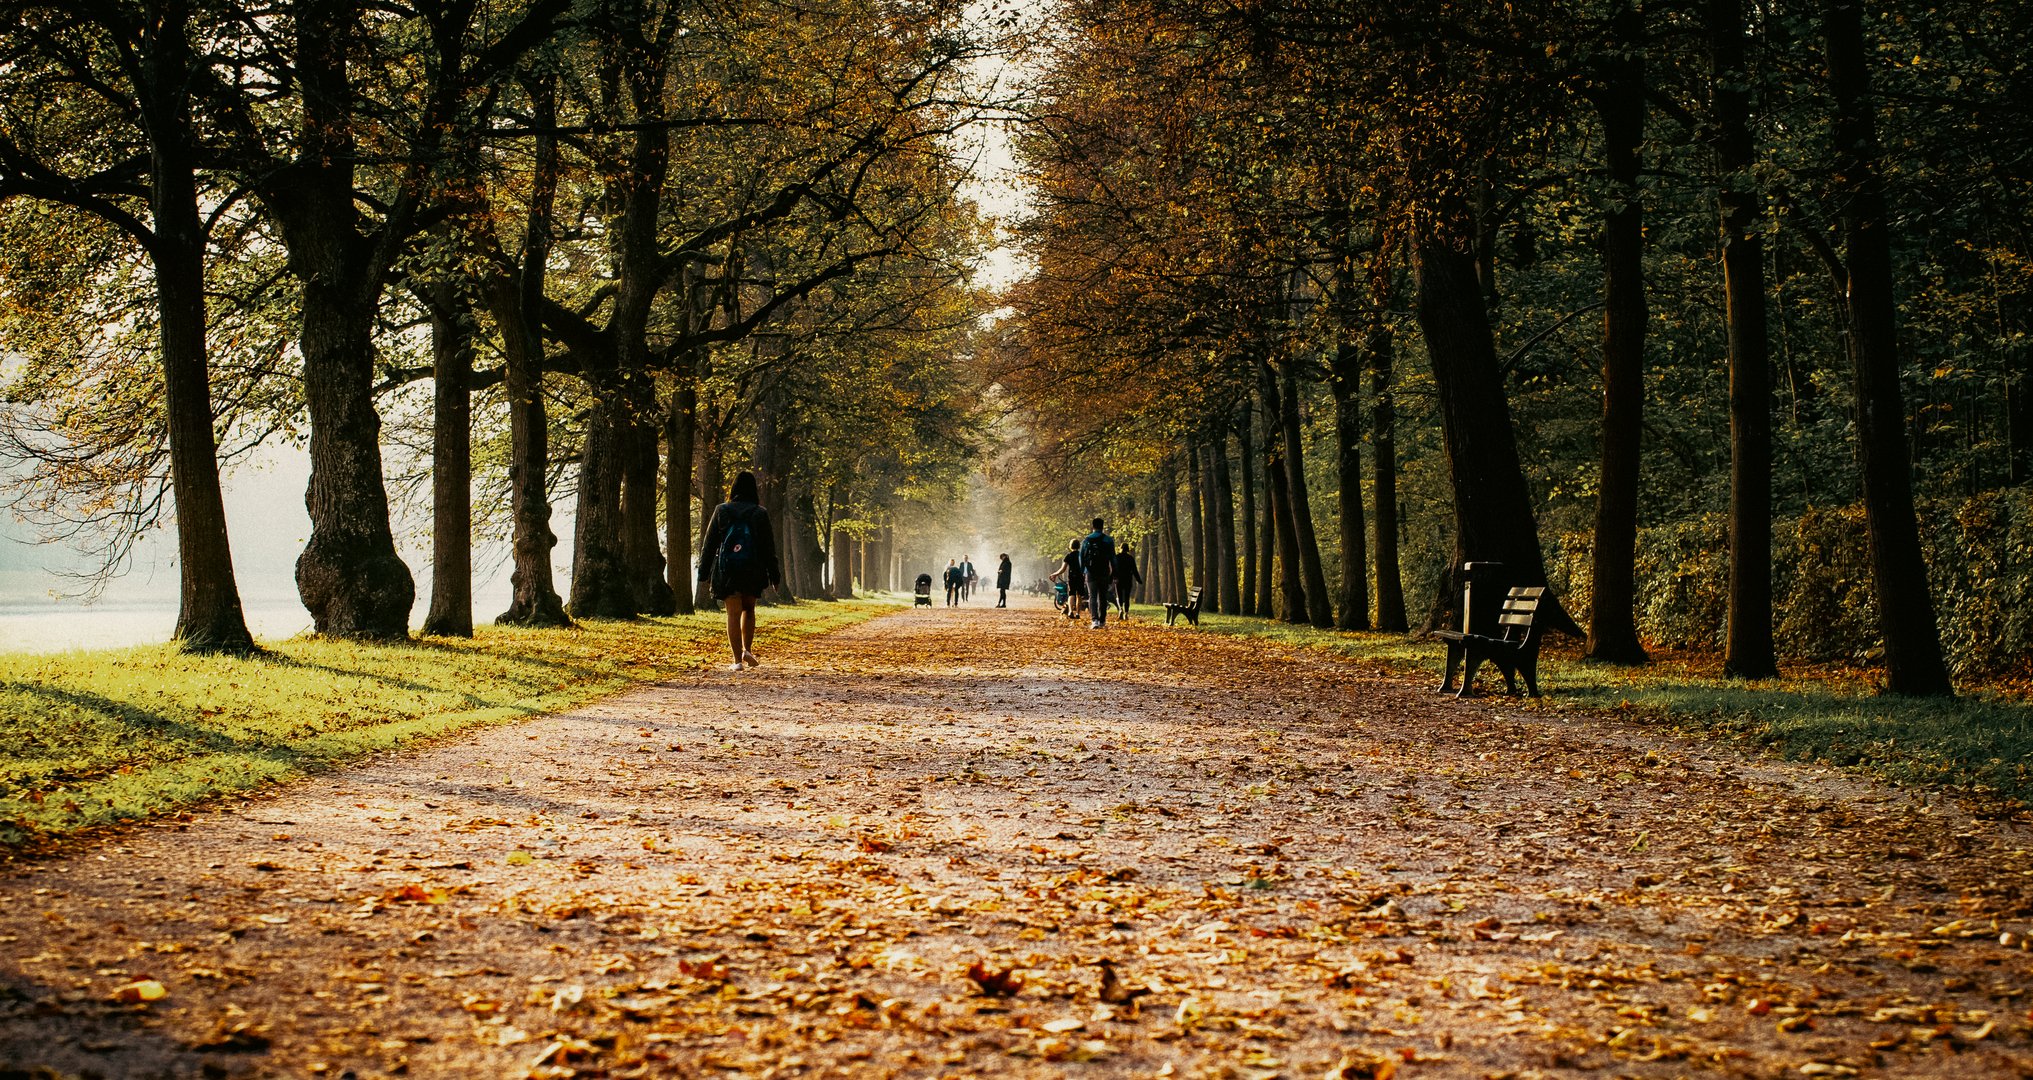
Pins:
x: 1188, y: 852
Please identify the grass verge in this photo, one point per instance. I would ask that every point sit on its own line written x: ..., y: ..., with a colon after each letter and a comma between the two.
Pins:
x: 1980, y: 743
x: 93, y: 738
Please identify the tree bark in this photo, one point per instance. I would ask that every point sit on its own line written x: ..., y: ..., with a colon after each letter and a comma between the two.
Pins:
x: 1620, y: 102
x: 712, y: 492
x: 1229, y: 589
x: 1319, y: 606
x: 1266, y: 525
x: 1291, y: 586
x: 811, y: 557
x: 1913, y: 658
x: 602, y: 587
x: 1246, y: 464
x: 1175, y: 564
x: 639, y: 499
x: 1199, y: 520
x: 1748, y: 650
x: 681, y: 432
x: 452, y: 332
x: 349, y: 576
x: 209, y: 615
x: 843, y: 565
x: 516, y: 301
x: 1492, y: 504
x: 1390, y: 582
x: 1346, y: 384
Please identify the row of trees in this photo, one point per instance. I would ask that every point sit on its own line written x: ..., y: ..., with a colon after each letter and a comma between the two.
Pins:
x: 1538, y: 258
x: 646, y: 237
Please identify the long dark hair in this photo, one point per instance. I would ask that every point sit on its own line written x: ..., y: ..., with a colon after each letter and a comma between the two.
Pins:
x: 744, y: 488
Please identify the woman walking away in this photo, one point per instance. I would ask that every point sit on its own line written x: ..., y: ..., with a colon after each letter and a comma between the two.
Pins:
x: 1126, y: 577
x: 739, y: 559
x: 954, y: 580
x: 1002, y: 572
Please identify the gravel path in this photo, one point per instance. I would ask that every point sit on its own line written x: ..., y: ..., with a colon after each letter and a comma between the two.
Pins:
x: 973, y: 842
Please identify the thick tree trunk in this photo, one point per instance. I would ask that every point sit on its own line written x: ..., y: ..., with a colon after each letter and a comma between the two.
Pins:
x: 1492, y: 505
x: 1620, y: 101
x: 1266, y: 524
x: 1748, y: 650
x: 1390, y: 582
x: 811, y: 557
x: 1291, y: 584
x: 451, y: 610
x: 1913, y: 658
x: 1319, y: 606
x: 1347, y: 388
x: 681, y: 434
x: 349, y: 576
x: 516, y: 301
x: 843, y: 565
x: 1225, y: 582
x: 601, y: 583
x: 1175, y: 563
x: 712, y: 492
x: 209, y: 616
x: 639, y: 500
x: 769, y: 454
x: 1246, y: 465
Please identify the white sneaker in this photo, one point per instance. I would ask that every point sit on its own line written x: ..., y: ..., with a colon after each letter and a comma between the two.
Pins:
x: 1094, y: 625
x: 735, y: 666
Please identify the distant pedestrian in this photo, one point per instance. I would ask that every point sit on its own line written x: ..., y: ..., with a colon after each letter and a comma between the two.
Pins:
x: 969, y: 577
x: 955, y: 579
x: 1127, y: 577
x: 1002, y: 573
x: 1097, y: 563
x: 739, y: 560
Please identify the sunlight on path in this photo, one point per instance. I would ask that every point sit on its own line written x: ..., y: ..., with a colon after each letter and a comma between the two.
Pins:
x: 973, y: 842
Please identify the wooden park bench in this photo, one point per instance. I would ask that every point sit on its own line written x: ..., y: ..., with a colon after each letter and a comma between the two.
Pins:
x: 1190, y: 609
x: 1514, y: 650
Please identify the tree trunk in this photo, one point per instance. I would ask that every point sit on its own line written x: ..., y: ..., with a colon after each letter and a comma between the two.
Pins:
x: 1246, y: 465
x: 1175, y: 563
x: 1199, y: 520
x: 1319, y: 606
x: 1492, y: 505
x: 639, y: 499
x: 349, y: 576
x: 1913, y: 659
x: 209, y: 616
x: 516, y: 302
x: 810, y: 557
x: 843, y: 564
x: 1620, y: 101
x: 1225, y: 582
x: 1748, y: 651
x: 602, y: 587
x: 451, y: 610
x: 712, y: 492
x: 1266, y: 524
x: 1291, y: 586
x: 681, y: 436
x: 1346, y: 384
x: 1390, y: 582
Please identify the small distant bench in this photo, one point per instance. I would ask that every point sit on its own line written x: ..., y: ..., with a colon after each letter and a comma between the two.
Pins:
x: 1190, y: 609
x: 1515, y: 649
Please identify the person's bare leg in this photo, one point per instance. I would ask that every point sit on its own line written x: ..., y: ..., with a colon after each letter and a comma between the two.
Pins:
x: 734, y: 628
x: 748, y: 631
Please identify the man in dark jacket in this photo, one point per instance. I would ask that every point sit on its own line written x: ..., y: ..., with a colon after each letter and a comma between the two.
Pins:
x: 1002, y: 572
x: 1097, y: 565
x: 954, y: 580
x: 1127, y: 577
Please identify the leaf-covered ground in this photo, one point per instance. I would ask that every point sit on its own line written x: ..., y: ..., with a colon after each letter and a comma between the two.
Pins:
x: 984, y: 843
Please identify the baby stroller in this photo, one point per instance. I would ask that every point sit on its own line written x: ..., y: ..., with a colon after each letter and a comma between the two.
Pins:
x: 1059, y: 595
x: 924, y: 591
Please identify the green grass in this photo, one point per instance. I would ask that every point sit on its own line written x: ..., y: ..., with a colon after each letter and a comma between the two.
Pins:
x: 93, y: 738
x: 1980, y: 743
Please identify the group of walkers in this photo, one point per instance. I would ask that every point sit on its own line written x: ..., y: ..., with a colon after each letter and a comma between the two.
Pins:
x: 962, y: 580
x: 1096, y: 574
x: 739, y: 561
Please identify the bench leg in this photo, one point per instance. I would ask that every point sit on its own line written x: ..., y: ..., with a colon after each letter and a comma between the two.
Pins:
x: 1529, y: 668
x: 1453, y: 665
x: 1510, y: 670
x: 1468, y: 676
x: 1193, y: 616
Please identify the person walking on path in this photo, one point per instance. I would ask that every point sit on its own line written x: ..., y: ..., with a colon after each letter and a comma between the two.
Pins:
x: 739, y: 560
x: 968, y: 578
x: 1002, y: 572
x: 954, y: 580
x: 1127, y: 576
x: 1097, y: 564
x: 1069, y: 574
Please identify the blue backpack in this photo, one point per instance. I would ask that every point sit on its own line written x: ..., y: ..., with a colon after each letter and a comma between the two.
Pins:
x: 1097, y: 556
x: 737, y: 559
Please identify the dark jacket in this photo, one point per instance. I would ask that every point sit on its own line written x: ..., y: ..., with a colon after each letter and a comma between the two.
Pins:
x: 1075, y: 580
x: 1126, y: 572
x: 1098, y: 548
x: 1002, y: 573
x: 756, y: 574
x: 955, y: 576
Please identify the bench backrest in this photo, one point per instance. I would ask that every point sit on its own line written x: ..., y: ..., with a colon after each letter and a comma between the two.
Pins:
x: 1193, y: 598
x: 1520, y: 608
